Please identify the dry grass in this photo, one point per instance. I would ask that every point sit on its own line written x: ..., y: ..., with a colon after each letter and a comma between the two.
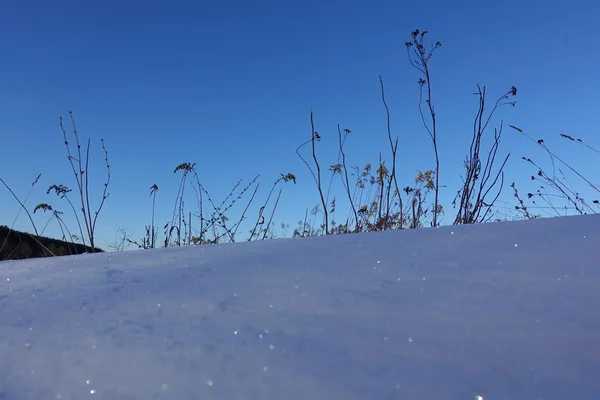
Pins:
x: 370, y: 198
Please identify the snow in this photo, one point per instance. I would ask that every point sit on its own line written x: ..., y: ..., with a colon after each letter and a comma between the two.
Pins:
x: 500, y: 311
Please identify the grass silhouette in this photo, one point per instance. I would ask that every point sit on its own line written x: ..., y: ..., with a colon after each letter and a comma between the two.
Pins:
x: 372, y: 198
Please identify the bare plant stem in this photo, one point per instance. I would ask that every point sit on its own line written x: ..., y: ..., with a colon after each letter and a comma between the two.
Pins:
x: 345, y: 180
x: 473, y: 204
x: 421, y: 63
x: 82, y: 180
x: 317, y: 177
x: 153, y: 190
x: 394, y: 149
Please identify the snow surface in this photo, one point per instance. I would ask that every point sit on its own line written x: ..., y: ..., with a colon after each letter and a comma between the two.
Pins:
x: 502, y: 311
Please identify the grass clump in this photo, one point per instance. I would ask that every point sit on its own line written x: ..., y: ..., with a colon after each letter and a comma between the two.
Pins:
x: 370, y: 199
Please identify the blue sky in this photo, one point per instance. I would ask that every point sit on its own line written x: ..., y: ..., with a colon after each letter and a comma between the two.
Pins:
x: 230, y: 87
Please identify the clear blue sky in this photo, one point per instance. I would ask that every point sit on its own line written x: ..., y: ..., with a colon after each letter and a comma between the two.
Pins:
x: 230, y: 85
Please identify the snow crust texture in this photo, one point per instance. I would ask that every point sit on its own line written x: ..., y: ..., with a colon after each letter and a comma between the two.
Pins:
x: 503, y: 311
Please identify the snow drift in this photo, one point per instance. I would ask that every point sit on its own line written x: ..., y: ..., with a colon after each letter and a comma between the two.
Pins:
x: 501, y: 311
